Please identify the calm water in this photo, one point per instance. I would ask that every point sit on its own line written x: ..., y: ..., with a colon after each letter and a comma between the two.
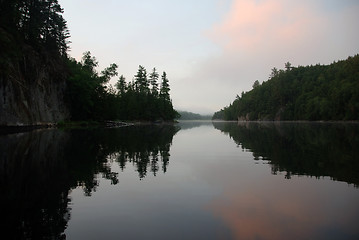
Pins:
x: 194, y: 180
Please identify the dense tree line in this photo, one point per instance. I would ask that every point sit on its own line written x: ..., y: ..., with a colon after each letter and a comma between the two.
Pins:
x: 38, y: 23
x: 90, y: 97
x: 320, y: 92
x: 34, y: 31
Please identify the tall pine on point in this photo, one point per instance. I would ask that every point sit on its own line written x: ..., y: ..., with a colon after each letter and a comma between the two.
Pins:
x: 165, y: 88
x: 153, y: 79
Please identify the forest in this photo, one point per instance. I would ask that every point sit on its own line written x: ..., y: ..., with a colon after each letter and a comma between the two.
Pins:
x: 34, y: 44
x: 310, y: 93
x: 90, y: 97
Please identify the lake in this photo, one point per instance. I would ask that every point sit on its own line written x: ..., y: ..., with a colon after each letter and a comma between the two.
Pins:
x: 192, y: 180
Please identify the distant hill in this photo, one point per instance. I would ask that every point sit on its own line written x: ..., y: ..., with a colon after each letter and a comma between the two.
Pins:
x: 193, y: 116
x: 313, y: 93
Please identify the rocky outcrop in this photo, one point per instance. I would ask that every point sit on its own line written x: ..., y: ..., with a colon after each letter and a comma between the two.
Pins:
x: 252, y: 116
x: 32, y: 87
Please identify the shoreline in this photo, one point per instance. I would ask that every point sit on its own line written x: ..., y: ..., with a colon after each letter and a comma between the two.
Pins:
x: 9, y: 129
x: 289, y: 121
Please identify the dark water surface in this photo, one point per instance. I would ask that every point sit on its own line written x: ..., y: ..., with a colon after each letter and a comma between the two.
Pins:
x: 193, y: 180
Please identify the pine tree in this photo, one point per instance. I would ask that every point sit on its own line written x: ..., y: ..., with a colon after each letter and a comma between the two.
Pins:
x: 89, y: 62
x: 121, y: 85
x: 153, y: 79
x: 109, y: 72
x: 54, y: 31
x: 37, y: 22
x: 165, y: 88
x: 141, y: 82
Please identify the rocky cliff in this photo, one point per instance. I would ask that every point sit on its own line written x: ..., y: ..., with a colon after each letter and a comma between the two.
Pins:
x: 32, y: 85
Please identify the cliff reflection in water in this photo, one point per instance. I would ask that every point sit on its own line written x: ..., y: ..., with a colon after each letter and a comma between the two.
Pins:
x: 38, y: 169
x: 313, y: 149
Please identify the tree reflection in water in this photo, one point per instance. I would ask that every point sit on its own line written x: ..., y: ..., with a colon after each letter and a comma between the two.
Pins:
x: 38, y: 169
x: 313, y: 149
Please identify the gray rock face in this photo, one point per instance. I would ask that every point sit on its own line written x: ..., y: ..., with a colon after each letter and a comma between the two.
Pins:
x: 32, y: 91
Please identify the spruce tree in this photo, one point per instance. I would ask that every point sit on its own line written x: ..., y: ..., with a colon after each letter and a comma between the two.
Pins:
x: 37, y: 22
x: 141, y: 82
x: 153, y: 79
x: 121, y: 85
x: 165, y: 88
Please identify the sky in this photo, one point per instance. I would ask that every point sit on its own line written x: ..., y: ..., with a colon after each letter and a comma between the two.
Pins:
x: 211, y: 50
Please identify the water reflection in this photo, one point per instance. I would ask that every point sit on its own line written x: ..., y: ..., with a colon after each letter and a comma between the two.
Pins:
x: 33, y: 184
x: 38, y: 169
x: 313, y: 149
x: 145, y: 147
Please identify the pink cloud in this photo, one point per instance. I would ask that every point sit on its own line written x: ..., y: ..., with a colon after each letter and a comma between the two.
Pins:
x: 252, y: 25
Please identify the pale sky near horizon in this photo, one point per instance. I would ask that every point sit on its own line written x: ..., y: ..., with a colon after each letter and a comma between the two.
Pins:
x: 212, y: 50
